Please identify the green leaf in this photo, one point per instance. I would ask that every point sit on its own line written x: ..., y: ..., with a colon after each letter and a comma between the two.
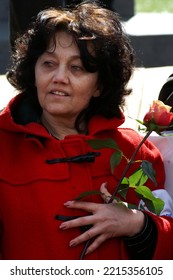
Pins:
x: 131, y: 206
x: 153, y: 126
x: 125, y: 181
x: 148, y: 169
x: 139, y: 121
x: 136, y: 120
x: 141, y: 129
x: 103, y: 143
x: 155, y: 205
x: 138, y: 178
x: 122, y: 190
x: 87, y: 193
x: 115, y: 160
x: 126, y: 204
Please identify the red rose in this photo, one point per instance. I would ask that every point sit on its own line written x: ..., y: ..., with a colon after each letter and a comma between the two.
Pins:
x: 159, y: 113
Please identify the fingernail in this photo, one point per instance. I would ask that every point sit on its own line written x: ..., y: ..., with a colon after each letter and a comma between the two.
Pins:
x: 72, y: 243
x: 68, y: 203
x: 62, y: 226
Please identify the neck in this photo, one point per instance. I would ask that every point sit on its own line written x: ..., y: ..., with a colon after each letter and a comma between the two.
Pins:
x: 58, y: 129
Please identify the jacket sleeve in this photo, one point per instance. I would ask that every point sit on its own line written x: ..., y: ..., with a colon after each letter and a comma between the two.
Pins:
x: 164, y: 245
x: 142, y: 245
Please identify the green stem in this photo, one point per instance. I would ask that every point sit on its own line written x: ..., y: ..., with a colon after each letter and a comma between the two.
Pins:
x: 128, y: 165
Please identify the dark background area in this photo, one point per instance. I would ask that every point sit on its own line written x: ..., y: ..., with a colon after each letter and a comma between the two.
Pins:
x: 151, y: 50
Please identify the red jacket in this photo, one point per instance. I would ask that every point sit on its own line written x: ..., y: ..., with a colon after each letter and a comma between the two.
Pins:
x: 32, y: 192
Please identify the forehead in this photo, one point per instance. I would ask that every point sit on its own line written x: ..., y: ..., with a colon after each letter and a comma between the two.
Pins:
x: 66, y: 41
x: 62, y: 40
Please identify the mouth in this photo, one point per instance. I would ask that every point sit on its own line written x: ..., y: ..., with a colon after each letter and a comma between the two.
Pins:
x: 59, y: 93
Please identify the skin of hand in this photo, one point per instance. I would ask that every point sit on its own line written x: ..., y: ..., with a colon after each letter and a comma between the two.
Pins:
x: 108, y: 220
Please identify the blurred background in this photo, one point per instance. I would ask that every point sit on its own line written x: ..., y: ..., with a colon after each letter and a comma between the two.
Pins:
x: 151, y: 32
x: 150, y: 6
x: 149, y: 24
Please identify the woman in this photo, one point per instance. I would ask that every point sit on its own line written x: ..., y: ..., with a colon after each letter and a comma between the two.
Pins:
x: 71, y: 69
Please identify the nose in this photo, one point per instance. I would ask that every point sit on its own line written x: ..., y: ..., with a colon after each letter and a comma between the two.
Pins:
x: 60, y: 75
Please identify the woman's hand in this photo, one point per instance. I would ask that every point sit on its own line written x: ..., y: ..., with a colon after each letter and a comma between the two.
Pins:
x: 107, y: 220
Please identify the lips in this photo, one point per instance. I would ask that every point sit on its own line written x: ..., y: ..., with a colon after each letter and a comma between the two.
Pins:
x: 59, y: 93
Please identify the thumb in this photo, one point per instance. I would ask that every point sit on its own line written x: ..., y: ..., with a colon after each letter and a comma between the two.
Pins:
x: 105, y: 194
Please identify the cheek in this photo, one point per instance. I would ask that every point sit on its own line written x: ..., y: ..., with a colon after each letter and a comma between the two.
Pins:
x: 39, y: 81
x: 40, y: 84
x: 88, y: 89
x: 38, y: 77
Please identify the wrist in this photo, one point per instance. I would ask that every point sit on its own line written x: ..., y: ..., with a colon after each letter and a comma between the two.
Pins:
x: 137, y: 224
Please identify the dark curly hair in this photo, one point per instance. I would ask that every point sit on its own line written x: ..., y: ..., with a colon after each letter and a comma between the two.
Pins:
x: 113, y: 55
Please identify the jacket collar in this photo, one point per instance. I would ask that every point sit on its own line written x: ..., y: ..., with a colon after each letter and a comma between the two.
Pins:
x: 100, y: 124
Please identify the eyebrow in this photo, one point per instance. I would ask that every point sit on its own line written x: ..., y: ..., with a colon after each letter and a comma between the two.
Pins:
x: 71, y: 57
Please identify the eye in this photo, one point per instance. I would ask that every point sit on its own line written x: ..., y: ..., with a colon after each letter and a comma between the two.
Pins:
x: 77, y: 68
x: 48, y: 63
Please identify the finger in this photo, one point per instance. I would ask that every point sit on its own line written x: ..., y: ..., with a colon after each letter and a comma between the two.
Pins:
x: 96, y: 243
x: 82, y: 221
x: 105, y: 194
x: 87, y: 206
x: 89, y: 234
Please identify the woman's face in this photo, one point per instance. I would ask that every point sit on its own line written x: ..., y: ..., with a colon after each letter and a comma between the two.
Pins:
x: 64, y: 87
